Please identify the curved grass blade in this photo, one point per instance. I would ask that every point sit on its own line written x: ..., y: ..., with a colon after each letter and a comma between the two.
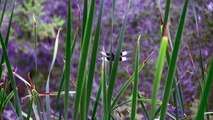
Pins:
x: 48, y: 78
x: 159, y: 69
x: 62, y: 77
x: 204, y: 97
x: 6, y: 39
x: 11, y: 77
x: 136, y: 79
x: 83, y: 59
x: 94, y: 57
x: 116, y: 61
x: 67, y: 63
x: 3, y: 11
x: 6, y: 101
x: 172, y: 65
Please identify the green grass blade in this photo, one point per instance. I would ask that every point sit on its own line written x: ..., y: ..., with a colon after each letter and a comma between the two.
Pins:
x: 139, y: 100
x: 143, y: 106
x: 62, y: 77
x: 74, y: 41
x: 6, y: 40
x: 158, y: 72
x: 67, y: 62
x: 111, y: 41
x: 172, y: 65
x: 116, y: 61
x: 135, y: 86
x: 103, y: 80
x: 175, y: 101
x: 48, y: 78
x: 84, y: 20
x: 60, y: 89
x: 96, y: 101
x: 166, y: 16
x: 83, y: 113
x: 204, y: 97
x: 3, y: 11
x: 35, y: 43
x: 83, y: 59
x: 11, y: 77
x: 7, y: 100
x: 157, y: 112
x: 94, y: 57
x: 36, y: 105
x: 30, y: 109
x: 178, y: 87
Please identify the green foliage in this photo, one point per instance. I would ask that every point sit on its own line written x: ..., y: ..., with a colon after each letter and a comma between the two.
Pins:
x: 109, y: 105
x: 23, y: 19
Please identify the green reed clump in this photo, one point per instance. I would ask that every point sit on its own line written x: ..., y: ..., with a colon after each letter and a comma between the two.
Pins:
x: 83, y: 105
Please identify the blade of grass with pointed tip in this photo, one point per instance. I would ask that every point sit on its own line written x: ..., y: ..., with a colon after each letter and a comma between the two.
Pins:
x: 116, y: 61
x: 74, y: 41
x: 83, y: 59
x: 11, y: 77
x: 96, y: 101
x: 172, y: 65
x: 7, y: 100
x: 3, y: 11
x: 204, y: 97
x: 48, y: 78
x: 6, y: 39
x: 136, y: 79
x: 94, y: 57
x: 67, y: 62
x: 159, y: 70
